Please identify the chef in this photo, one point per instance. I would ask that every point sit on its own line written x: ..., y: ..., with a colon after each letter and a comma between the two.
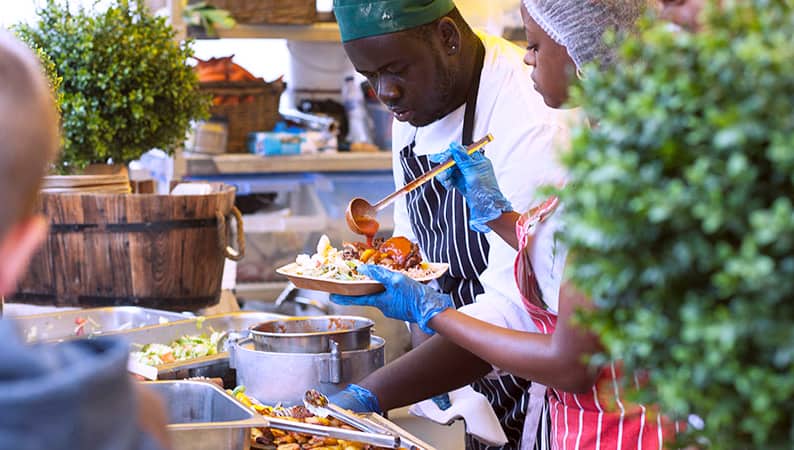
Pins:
x: 445, y: 83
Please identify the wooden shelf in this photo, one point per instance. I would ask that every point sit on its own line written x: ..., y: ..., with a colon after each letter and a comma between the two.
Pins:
x: 317, y: 32
x: 243, y: 163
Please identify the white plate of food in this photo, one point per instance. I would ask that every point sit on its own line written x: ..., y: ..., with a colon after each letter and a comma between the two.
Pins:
x: 334, y: 271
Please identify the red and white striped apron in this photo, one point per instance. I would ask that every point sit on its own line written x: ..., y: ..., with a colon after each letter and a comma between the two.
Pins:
x: 602, y: 418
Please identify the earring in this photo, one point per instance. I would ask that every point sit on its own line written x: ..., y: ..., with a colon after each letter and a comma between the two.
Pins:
x: 579, y: 74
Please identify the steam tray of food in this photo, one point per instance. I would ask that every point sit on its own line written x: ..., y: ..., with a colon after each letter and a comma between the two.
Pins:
x: 77, y: 323
x: 190, y: 348
x: 274, y: 438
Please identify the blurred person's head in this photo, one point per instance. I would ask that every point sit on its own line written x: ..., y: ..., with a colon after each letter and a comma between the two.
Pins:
x: 684, y: 13
x: 28, y: 143
x: 564, y: 35
x: 418, y: 55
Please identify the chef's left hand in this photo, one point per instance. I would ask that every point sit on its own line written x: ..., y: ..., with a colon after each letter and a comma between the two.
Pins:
x: 404, y: 298
x: 474, y: 177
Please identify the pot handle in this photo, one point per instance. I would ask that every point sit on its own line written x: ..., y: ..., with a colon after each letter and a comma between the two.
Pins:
x: 331, y: 366
x: 232, y: 348
x: 223, y: 233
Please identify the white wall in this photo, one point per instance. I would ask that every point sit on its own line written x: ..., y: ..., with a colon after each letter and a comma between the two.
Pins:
x: 12, y: 12
x: 491, y: 15
x: 15, y: 11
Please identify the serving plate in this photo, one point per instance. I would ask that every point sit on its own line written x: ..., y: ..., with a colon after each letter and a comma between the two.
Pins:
x: 356, y: 287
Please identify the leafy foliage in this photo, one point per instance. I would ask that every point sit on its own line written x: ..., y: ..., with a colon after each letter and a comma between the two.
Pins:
x: 681, y: 220
x: 126, y: 86
x: 207, y: 16
x: 53, y: 79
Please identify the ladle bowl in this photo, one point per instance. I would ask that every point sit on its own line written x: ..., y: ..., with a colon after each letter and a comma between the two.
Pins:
x: 360, y: 214
x: 360, y: 217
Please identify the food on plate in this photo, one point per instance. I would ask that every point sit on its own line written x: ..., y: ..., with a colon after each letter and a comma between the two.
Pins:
x: 184, y: 348
x: 397, y: 253
x: 271, y: 438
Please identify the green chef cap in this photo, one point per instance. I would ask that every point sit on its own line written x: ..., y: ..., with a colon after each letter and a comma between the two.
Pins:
x: 359, y: 18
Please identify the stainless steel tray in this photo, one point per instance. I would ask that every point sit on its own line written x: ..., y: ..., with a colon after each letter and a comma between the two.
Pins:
x: 203, y: 417
x: 407, y: 441
x: 209, y: 366
x: 76, y: 323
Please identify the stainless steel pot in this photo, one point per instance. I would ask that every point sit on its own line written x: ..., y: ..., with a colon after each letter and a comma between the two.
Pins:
x: 312, y: 334
x: 273, y: 377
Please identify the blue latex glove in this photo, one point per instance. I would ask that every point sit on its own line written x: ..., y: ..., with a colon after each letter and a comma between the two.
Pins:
x: 474, y: 177
x: 357, y: 399
x: 443, y: 401
x: 403, y: 299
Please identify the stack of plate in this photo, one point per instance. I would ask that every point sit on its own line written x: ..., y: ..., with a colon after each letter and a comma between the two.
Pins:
x: 100, y: 184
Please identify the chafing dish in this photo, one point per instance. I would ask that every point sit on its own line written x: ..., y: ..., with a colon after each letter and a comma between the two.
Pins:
x: 75, y: 323
x: 274, y: 377
x: 208, y: 366
x: 202, y: 416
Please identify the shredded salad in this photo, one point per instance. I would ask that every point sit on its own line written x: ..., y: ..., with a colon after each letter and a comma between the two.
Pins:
x: 328, y: 262
x: 184, y: 348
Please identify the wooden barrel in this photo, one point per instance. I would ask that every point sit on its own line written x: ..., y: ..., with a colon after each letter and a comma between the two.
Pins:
x: 157, y: 251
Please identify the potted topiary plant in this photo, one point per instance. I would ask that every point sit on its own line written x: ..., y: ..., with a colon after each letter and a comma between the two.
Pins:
x: 126, y: 88
x: 681, y: 221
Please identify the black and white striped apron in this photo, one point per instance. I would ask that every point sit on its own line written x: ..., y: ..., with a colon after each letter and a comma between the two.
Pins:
x: 440, y: 221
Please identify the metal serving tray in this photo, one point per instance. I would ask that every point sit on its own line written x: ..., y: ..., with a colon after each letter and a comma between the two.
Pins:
x: 208, y: 366
x: 202, y: 416
x: 407, y: 440
x: 76, y: 323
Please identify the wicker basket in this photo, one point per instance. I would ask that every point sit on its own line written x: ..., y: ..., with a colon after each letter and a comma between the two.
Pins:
x: 254, y: 108
x: 287, y: 12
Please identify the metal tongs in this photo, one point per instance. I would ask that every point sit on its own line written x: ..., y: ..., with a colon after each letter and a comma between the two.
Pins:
x: 378, y: 440
x: 317, y: 403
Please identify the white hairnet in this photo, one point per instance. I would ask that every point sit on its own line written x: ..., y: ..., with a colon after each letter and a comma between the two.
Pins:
x: 579, y: 25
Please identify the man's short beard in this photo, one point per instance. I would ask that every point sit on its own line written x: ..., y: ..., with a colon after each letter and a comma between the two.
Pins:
x: 446, y: 83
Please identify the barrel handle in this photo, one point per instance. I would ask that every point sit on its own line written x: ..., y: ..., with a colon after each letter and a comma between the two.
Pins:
x: 229, y: 252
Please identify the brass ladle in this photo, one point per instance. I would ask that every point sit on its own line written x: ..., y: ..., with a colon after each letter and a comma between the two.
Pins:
x: 360, y: 215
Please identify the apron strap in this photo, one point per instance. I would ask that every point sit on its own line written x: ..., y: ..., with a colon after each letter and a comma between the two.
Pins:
x: 471, y: 100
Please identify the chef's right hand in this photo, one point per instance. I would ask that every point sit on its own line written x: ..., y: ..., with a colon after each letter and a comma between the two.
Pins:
x: 404, y: 298
x: 356, y: 399
x: 474, y: 177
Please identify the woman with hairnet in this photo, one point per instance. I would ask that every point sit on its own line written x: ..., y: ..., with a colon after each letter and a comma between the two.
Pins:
x: 586, y: 409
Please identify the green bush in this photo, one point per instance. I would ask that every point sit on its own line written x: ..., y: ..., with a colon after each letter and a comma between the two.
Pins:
x: 53, y: 79
x: 681, y: 220
x: 126, y: 85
